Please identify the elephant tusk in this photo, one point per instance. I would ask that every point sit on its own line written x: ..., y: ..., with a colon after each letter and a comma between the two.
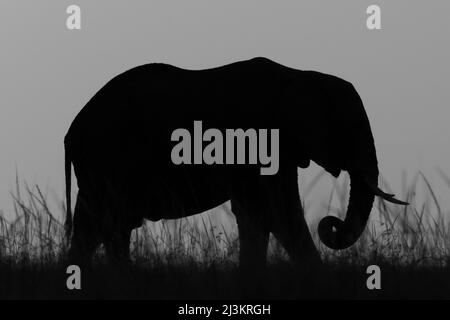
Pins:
x: 397, y: 201
x: 377, y: 191
x: 386, y: 196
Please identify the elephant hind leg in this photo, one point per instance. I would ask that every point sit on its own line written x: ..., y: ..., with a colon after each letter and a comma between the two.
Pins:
x: 117, y: 245
x: 85, y: 238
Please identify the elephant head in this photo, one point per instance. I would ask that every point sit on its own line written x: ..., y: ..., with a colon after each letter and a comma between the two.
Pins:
x: 336, y: 135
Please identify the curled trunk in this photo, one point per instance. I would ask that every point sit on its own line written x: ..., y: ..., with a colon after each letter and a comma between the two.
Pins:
x: 338, y: 234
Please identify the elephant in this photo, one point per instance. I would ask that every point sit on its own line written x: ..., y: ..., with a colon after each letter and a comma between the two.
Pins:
x: 120, y: 145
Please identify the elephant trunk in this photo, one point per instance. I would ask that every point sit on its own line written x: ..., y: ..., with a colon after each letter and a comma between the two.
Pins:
x: 362, y: 166
x: 337, y: 234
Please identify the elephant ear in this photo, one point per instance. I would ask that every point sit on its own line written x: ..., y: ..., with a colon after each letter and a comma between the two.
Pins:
x: 312, y: 121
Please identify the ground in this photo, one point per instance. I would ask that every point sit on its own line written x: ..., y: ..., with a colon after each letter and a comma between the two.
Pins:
x: 196, y: 258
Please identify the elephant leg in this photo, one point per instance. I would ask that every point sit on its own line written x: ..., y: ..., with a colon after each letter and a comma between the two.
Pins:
x: 294, y: 236
x: 290, y: 227
x: 253, y: 239
x: 85, y: 238
x: 117, y: 245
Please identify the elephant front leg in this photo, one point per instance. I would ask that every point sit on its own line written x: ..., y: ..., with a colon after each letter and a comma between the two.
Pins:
x: 253, y: 240
x: 294, y: 236
x: 289, y: 225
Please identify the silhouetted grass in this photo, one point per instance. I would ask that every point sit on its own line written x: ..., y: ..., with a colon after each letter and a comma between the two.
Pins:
x: 196, y: 257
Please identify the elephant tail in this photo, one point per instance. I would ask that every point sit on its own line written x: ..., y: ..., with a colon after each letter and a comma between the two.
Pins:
x: 68, y: 177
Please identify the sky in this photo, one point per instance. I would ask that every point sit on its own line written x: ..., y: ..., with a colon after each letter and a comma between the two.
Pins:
x: 48, y: 73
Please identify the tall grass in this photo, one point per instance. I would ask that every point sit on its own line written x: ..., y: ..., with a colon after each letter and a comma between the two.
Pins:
x: 416, y: 234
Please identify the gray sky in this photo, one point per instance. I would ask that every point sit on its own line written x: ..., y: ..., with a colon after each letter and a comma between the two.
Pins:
x: 47, y: 73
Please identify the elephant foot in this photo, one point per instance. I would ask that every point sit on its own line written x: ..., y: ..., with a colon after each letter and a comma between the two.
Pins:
x: 80, y: 258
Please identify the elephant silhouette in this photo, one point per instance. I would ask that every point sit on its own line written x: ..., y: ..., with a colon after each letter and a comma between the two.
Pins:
x: 120, y: 147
